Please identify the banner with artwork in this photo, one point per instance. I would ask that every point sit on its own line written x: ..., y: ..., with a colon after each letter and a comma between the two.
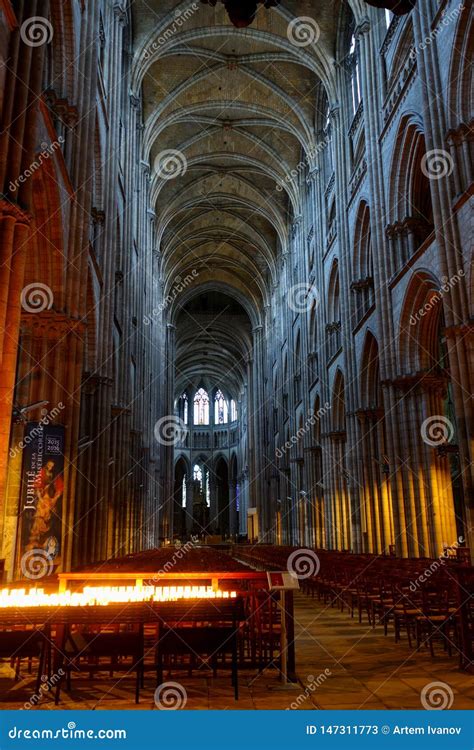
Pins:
x: 41, y: 499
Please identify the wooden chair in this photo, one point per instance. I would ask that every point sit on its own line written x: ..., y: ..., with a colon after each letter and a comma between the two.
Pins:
x: 16, y: 645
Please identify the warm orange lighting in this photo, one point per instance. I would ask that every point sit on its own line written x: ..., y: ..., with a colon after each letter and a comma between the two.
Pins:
x: 104, y: 595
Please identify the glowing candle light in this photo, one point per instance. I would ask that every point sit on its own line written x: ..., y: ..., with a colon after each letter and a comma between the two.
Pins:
x: 105, y: 595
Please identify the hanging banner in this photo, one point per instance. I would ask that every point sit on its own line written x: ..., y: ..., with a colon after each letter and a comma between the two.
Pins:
x: 41, y: 493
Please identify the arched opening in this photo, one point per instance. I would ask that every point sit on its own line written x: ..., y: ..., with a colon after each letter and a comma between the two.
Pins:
x: 333, y: 327
x: 363, y: 284
x: 221, y: 408
x: 201, y: 407
x: 182, y: 505
x: 376, y: 504
x: 221, y: 477
x: 317, y: 484
x: 436, y: 512
x: 410, y: 196
x: 339, y: 515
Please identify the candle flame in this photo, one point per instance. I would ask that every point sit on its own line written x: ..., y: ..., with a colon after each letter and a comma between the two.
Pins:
x: 104, y: 595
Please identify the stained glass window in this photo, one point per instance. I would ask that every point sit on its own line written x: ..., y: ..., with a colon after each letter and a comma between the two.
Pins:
x: 201, y: 407
x: 184, y: 399
x: 197, y: 473
x: 221, y: 415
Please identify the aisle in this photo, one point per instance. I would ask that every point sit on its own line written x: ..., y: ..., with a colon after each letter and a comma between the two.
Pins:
x: 364, y: 670
x: 368, y: 670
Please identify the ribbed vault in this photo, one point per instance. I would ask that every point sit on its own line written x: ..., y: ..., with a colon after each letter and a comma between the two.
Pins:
x: 213, y: 343
x: 229, y: 124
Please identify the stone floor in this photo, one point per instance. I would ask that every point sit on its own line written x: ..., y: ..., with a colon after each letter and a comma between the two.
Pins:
x: 340, y: 664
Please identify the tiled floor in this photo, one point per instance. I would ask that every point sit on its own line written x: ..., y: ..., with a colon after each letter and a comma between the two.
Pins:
x: 340, y: 664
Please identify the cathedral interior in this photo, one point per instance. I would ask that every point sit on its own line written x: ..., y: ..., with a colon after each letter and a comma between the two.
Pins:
x: 236, y: 304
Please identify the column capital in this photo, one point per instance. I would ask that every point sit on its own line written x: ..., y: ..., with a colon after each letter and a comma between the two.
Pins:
x: 135, y: 100
x: 295, y: 224
x: 120, y: 13
x: 312, y: 174
x: 9, y: 210
x: 363, y: 27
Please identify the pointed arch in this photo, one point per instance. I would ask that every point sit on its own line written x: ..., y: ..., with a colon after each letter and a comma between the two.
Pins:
x: 420, y: 321
x: 363, y: 273
x: 338, y: 411
x: 410, y: 191
x: 369, y: 379
x: 201, y: 407
x: 334, y: 310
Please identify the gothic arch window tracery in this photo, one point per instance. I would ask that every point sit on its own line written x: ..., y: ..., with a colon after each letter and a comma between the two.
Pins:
x: 201, y: 407
x: 184, y: 408
x: 221, y: 409
x: 355, y: 75
x: 197, y: 474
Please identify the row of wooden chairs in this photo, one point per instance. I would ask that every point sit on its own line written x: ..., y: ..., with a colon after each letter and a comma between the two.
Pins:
x: 187, y: 637
x: 426, y: 600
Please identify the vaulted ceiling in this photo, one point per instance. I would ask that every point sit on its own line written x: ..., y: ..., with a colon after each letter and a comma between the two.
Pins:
x: 228, y: 114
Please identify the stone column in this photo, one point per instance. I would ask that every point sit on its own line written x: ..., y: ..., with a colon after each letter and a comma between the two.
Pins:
x: 455, y: 300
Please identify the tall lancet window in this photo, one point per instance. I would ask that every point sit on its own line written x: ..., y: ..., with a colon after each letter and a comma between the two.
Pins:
x: 233, y: 411
x: 221, y: 412
x: 183, y: 493
x: 197, y: 474
x: 185, y: 407
x: 354, y: 56
x: 201, y: 407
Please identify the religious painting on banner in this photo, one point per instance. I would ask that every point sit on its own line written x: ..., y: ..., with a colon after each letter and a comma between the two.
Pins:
x: 42, y: 489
